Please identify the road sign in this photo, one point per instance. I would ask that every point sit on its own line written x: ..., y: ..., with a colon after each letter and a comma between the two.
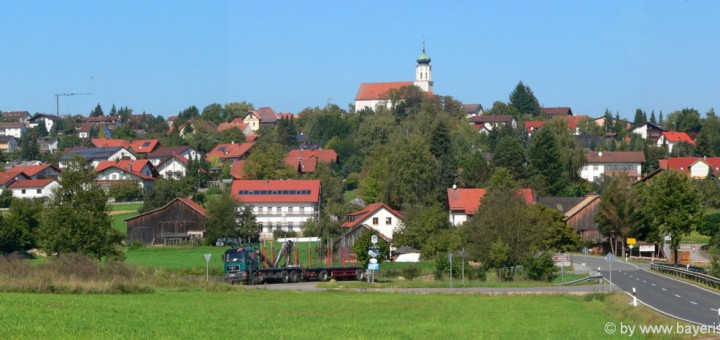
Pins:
x: 373, y: 266
x: 373, y: 260
x: 585, y: 250
x: 207, y: 266
x: 373, y: 239
x: 609, y: 258
x: 647, y: 249
x: 631, y: 241
x: 373, y: 253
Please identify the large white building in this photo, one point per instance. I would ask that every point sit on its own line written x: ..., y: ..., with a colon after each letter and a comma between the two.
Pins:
x: 370, y: 95
x: 612, y: 163
x: 280, y: 205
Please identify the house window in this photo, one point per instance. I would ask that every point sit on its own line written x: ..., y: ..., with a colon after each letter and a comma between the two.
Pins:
x: 375, y: 219
x: 595, y: 167
x: 388, y: 220
x: 23, y: 191
x: 39, y: 191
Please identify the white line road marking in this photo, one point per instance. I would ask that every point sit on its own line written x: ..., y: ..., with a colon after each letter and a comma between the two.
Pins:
x: 713, y: 309
x: 664, y: 290
x: 653, y: 284
x: 677, y: 296
x: 644, y: 281
x: 693, y: 302
x: 638, y: 279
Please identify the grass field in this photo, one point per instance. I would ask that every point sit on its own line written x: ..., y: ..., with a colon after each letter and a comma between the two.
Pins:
x: 261, y: 314
x: 125, y: 206
x: 695, y: 238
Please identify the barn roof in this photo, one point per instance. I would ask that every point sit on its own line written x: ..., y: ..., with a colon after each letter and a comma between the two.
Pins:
x: 192, y: 204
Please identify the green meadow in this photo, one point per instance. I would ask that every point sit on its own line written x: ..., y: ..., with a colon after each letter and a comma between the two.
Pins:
x: 256, y: 313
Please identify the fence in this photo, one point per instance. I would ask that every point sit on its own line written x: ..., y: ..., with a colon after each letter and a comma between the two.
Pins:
x: 687, y: 274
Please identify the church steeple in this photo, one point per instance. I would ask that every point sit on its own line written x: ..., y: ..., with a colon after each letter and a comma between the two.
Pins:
x: 423, y: 71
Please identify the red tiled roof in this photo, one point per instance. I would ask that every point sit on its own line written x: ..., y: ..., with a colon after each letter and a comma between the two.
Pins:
x: 277, y: 191
x: 194, y: 205
x: 615, y: 157
x: 359, y: 217
x: 305, y: 161
x: 167, y: 151
x: 376, y: 91
x: 265, y: 115
x: 237, y: 170
x: 172, y: 118
x: 551, y: 111
x: 179, y: 157
x: 251, y: 138
x: 533, y: 125
x: 31, y: 170
x: 677, y: 137
x: 683, y: 164
x: 32, y: 183
x: 233, y: 150
x: 237, y: 123
x: 573, y: 121
x: 144, y: 146
x: 131, y: 167
x: 469, y: 200
x: 11, y: 125
x: 109, y: 143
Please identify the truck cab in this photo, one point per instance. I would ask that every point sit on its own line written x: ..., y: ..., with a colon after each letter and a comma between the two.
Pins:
x: 240, y: 264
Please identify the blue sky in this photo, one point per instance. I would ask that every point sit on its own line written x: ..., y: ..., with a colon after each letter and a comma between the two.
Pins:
x: 163, y: 56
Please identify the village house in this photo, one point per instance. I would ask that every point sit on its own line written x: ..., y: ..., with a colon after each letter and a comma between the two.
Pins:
x: 578, y: 213
x: 181, y: 221
x: 47, y: 145
x: 229, y: 152
x: 264, y: 117
x: 280, y: 205
x: 695, y: 167
x: 673, y: 138
x: 377, y: 217
x: 174, y: 167
x: 485, y: 124
x: 16, y: 116
x: 109, y: 173
x: 45, y: 119
x: 139, y: 146
x: 15, y: 129
x: 305, y: 161
x: 473, y: 110
x: 370, y: 95
x: 33, y: 188
x: 649, y: 131
x: 8, y: 143
x: 612, y: 163
x: 551, y: 112
x: 85, y: 130
x: 93, y: 156
x: 464, y: 202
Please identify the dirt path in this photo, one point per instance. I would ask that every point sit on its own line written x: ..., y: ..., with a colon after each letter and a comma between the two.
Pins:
x: 118, y: 212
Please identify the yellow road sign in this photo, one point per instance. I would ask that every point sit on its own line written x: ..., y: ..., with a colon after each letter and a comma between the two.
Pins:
x: 631, y: 240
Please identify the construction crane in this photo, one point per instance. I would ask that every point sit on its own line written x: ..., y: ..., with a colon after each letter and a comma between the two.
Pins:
x: 57, y: 100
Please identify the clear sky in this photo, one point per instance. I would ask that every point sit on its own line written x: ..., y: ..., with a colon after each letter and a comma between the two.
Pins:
x: 163, y: 56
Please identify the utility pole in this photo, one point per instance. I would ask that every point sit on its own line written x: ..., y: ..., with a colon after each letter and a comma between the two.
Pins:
x: 57, y: 100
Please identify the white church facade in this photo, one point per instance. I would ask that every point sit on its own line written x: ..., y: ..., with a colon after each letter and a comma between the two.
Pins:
x: 370, y: 95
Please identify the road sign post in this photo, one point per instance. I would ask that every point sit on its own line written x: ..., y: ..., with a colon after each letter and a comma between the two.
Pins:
x: 450, y: 256
x: 585, y: 251
x: 610, y: 258
x: 207, y: 267
x: 634, y: 297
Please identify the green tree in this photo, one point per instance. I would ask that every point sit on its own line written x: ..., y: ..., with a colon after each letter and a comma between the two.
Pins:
x: 76, y: 218
x: 607, y: 121
x: 113, y: 110
x: 652, y: 117
x: 546, y: 161
x: 686, y: 120
x: 674, y: 205
x: 124, y: 132
x: 229, y: 218
x: 618, y: 213
x: 97, y: 112
x: 639, y: 118
x: 363, y: 243
x: 125, y: 191
x: 587, y: 126
x: 421, y: 224
x: 213, y: 113
x: 267, y: 161
x: 524, y: 101
x: 661, y: 121
x: 510, y: 154
x: 412, y: 173
x: 499, y: 108
x: 230, y: 135
x: 166, y: 190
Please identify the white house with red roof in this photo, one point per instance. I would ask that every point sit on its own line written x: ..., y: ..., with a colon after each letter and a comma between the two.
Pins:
x: 695, y: 167
x: 376, y: 216
x: 370, y: 95
x: 15, y: 129
x: 141, y: 171
x: 262, y: 117
x: 230, y: 152
x: 612, y: 163
x: 174, y: 167
x: 38, y: 171
x: 280, y: 205
x: 673, y: 138
x: 33, y: 188
x: 164, y: 152
x: 140, y: 146
x: 464, y: 202
x: 485, y: 124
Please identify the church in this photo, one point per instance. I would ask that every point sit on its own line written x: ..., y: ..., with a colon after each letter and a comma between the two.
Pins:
x: 370, y: 95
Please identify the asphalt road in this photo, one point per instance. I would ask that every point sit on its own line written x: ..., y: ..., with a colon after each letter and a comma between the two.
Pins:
x: 675, y: 298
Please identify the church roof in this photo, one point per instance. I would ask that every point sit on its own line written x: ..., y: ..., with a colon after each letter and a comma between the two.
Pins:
x: 377, y: 91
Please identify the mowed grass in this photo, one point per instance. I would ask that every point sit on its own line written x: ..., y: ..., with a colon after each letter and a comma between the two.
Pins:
x: 261, y: 314
x: 125, y: 206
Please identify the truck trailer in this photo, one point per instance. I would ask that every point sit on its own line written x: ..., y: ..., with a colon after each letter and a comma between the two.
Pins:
x: 249, y: 265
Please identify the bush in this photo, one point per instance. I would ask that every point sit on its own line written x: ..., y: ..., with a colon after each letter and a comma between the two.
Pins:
x: 442, y: 266
x: 125, y: 191
x: 540, y: 267
x: 281, y: 234
x: 410, y: 272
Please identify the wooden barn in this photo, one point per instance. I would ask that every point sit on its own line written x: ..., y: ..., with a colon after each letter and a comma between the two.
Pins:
x: 181, y: 221
x: 579, y: 213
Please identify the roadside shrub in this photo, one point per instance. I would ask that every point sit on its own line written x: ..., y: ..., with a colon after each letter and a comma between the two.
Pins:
x: 540, y: 267
x: 410, y: 272
x: 442, y: 267
x: 476, y: 273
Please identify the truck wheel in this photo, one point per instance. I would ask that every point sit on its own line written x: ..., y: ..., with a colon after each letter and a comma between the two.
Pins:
x: 284, y: 276
x: 254, y: 278
x: 323, y: 275
x: 359, y: 275
x: 293, y: 276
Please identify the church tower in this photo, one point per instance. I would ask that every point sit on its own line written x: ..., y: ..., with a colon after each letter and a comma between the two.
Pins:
x: 423, y: 72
